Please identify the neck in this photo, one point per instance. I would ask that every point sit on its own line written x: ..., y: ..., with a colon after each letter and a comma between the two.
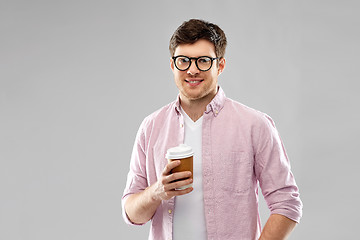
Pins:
x: 194, y: 111
x: 195, y: 108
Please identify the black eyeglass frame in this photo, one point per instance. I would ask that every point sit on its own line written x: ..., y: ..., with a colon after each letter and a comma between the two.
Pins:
x: 196, y: 62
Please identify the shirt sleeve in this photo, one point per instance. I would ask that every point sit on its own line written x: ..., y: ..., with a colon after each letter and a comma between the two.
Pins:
x: 137, y: 177
x: 272, y: 169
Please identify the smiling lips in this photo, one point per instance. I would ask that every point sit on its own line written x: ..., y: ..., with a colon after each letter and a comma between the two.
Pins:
x: 194, y: 81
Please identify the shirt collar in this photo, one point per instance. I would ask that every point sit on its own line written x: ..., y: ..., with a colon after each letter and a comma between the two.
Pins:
x: 214, y: 106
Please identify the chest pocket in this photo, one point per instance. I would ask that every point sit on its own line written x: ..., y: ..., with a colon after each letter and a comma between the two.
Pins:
x: 233, y: 172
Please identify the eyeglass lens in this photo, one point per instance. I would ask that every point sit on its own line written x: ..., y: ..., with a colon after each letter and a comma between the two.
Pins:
x: 203, y: 63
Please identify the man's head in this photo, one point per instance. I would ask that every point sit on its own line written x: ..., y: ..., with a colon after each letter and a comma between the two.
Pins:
x: 193, y: 30
x: 197, y: 51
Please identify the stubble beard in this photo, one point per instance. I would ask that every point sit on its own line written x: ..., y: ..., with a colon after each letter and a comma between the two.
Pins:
x: 201, y: 96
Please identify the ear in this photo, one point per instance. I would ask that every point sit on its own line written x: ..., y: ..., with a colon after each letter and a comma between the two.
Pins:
x: 222, y: 63
x: 172, y: 64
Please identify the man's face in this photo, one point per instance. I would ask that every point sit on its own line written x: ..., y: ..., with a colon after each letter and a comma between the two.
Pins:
x: 194, y: 84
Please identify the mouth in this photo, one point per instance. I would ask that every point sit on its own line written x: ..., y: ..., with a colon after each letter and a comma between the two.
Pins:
x: 194, y: 82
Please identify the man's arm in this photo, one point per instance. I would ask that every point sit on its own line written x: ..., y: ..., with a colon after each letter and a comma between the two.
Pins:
x: 277, y: 183
x: 277, y: 227
x: 140, y: 207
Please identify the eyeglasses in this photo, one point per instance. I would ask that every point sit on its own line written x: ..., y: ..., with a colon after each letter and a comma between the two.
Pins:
x: 203, y: 63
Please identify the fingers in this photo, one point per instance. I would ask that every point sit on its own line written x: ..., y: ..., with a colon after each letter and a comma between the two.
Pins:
x: 173, y: 193
x: 182, y: 192
x: 178, y: 184
x: 171, y: 182
x: 176, y: 176
x: 170, y: 166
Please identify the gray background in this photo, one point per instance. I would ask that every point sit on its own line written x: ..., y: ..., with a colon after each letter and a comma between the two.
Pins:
x: 77, y: 78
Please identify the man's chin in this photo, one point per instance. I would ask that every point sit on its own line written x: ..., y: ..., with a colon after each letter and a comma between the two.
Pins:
x: 194, y: 97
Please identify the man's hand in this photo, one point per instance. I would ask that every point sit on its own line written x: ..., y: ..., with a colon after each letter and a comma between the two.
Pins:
x: 164, y: 188
x: 140, y: 207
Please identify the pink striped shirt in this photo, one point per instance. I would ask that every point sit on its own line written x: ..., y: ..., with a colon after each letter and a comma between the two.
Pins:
x: 241, y: 148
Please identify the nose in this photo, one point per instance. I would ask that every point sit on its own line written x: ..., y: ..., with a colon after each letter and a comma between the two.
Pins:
x: 193, y: 68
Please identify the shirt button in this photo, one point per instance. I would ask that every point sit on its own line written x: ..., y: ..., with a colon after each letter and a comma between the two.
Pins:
x: 170, y: 211
x: 181, y: 125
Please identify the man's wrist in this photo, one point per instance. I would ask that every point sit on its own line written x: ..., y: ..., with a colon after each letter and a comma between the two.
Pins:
x: 154, y: 198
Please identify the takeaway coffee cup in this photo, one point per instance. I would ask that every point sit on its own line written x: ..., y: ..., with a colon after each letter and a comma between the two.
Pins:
x: 185, y: 154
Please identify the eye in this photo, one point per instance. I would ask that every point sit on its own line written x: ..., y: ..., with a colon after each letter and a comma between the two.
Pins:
x: 183, y: 60
x: 204, y: 60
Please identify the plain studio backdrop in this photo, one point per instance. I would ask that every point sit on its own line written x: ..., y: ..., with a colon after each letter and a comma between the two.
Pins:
x: 78, y: 77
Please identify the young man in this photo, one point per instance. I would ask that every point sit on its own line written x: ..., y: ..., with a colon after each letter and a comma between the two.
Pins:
x: 235, y: 148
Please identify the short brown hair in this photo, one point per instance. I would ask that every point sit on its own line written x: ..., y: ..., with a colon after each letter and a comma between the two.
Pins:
x: 195, y: 29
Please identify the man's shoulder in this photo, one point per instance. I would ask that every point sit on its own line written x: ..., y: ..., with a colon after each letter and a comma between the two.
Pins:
x: 243, y: 110
x: 249, y: 114
x: 160, y: 115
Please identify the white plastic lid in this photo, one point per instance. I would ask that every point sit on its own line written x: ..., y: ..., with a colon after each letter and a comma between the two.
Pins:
x: 181, y: 151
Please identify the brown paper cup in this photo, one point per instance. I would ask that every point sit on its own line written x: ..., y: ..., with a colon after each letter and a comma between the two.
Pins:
x: 185, y: 154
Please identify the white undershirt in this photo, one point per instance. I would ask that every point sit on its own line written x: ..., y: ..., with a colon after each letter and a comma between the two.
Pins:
x: 189, y: 217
